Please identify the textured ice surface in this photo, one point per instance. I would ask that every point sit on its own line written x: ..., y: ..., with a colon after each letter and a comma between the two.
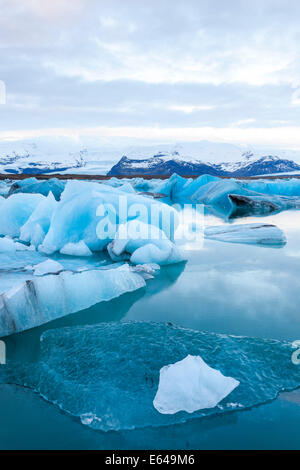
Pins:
x: 48, y: 266
x: 76, y: 217
x: 148, y: 271
x: 143, y: 243
x: 37, y: 226
x: 15, y: 211
x: 260, y: 234
x: 42, y: 299
x: 7, y: 245
x: 32, y: 185
x: 107, y: 375
x: 191, y: 385
x: 230, y: 197
x: 76, y: 249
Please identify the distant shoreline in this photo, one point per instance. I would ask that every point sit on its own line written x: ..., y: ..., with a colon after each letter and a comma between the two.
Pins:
x: 41, y: 176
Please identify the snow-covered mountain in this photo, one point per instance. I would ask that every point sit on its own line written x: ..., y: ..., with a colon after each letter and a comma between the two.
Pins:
x: 94, y: 156
x: 210, y: 160
x: 33, y: 157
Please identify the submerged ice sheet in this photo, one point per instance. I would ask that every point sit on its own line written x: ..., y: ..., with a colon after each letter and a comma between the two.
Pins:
x: 260, y: 234
x: 190, y: 385
x: 107, y: 375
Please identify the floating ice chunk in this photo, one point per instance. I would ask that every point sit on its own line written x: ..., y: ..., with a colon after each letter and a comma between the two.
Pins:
x: 7, y: 245
x: 32, y: 185
x: 15, y: 211
x: 166, y: 253
x: 46, y: 298
x: 77, y: 216
x: 29, y: 267
x: 4, y: 190
x: 143, y: 243
x: 48, y: 267
x: 76, y: 249
x: 127, y: 188
x: 191, y: 385
x: 188, y: 188
x: 22, y: 247
x: 149, y: 268
x: 233, y: 198
x: 171, y: 187
x: 37, y: 226
x: 261, y: 234
x: 146, y: 270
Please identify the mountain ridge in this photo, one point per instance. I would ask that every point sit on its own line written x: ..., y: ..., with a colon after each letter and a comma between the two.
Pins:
x: 65, y: 155
x: 159, y: 165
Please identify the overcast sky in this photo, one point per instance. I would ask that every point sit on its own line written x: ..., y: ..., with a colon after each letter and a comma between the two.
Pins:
x: 163, y: 69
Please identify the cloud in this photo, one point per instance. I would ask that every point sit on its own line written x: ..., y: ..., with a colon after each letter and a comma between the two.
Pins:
x: 151, y: 65
x: 275, y: 137
x: 190, y: 108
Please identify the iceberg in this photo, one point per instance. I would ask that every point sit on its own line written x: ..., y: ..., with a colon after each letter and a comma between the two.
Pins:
x: 42, y: 299
x: 7, y: 245
x: 76, y: 249
x: 32, y: 185
x: 165, y: 253
x: 77, y: 216
x: 37, y: 226
x: 148, y: 271
x: 233, y: 198
x: 259, y: 204
x: 190, y: 385
x: 15, y: 211
x: 48, y: 266
x: 261, y: 234
x: 143, y: 243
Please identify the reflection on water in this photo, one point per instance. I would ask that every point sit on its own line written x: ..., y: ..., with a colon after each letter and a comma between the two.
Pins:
x: 26, y: 345
x: 235, y: 289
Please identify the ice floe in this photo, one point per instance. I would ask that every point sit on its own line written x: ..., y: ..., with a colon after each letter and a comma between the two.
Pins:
x: 15, y: 211
x: 91, y: 212
x: 47, y: 297
x: 190, y: 385
x: 226, y: 197
x: 48, y: 266
x: 32, y: 185
x: 36, y: 227
x: 8, y: 245
x: 260, y: 234
x: 107, y: 375
x: 76, y: 249
x: 143, y: 243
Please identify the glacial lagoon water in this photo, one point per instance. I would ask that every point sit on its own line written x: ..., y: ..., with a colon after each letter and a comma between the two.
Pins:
x: 223, y: 288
